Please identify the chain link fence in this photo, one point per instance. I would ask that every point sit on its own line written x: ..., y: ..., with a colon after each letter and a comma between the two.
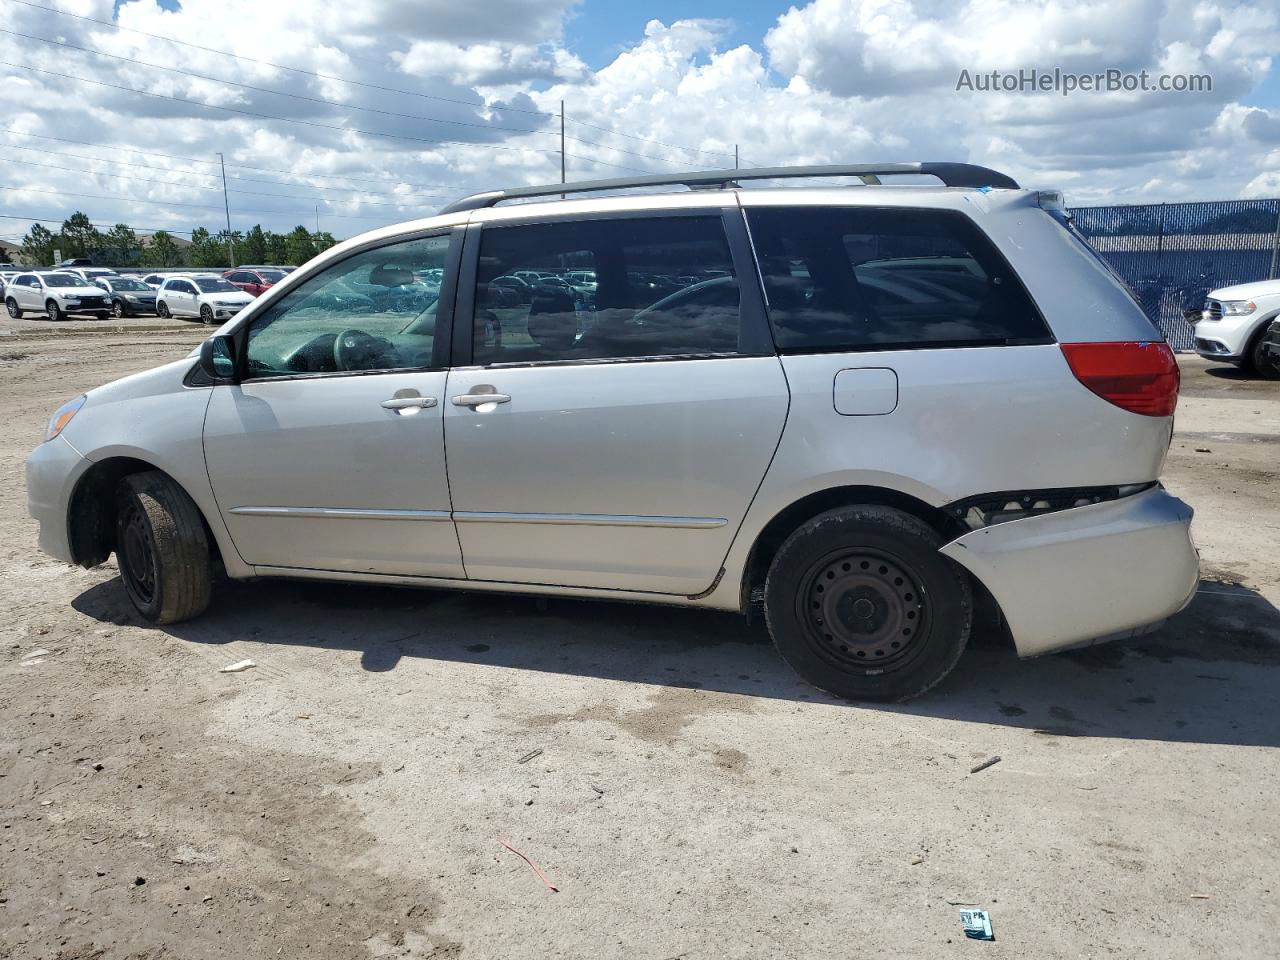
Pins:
x: 1173, y: 254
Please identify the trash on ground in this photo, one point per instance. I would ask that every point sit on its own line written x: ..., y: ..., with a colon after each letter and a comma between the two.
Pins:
x: 977, y: 924
x: 238, y: 667
x: 599, y: 790
x: 530, y: 755
x: 990, y: 762
x: 536, y: 869
x: 1201, y: 896
x: 42, y: 652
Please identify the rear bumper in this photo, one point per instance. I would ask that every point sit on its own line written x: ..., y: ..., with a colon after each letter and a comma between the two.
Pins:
x: 1068, y: 578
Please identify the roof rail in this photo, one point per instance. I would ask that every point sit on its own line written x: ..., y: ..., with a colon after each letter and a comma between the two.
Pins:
x: 951, y: 174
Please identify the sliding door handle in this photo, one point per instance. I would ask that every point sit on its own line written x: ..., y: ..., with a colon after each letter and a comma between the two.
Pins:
x: 479, y: 399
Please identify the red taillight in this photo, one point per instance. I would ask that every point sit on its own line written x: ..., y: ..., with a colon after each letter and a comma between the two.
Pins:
x: 1139, y: 377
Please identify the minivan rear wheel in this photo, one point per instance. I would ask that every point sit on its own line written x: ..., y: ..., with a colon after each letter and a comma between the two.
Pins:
x: 162, y: 549
x: 860, y: 603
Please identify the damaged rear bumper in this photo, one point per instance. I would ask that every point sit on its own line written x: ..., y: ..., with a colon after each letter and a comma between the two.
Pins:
x: 1067, y: 578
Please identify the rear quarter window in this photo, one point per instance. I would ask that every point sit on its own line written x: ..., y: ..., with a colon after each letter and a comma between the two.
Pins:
x: 842, y: 278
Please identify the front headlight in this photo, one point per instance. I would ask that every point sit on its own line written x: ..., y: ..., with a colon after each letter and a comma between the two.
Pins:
x: 62, y: 416
x: 1238, y: 308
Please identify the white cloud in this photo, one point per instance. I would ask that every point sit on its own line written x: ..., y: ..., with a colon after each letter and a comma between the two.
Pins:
x: 834, y: 80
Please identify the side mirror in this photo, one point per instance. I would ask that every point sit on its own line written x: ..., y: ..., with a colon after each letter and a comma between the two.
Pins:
x: 218, y: 360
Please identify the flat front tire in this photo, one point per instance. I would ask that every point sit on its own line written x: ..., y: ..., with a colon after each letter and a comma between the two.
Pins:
x: 162, y: 549
x: 860, y: 603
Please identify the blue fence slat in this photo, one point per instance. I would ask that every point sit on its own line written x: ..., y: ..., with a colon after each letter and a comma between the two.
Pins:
x: 1172, y: 254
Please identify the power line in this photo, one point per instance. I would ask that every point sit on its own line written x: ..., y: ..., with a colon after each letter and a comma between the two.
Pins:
x: 360, y: 83
x: 195, y: 173
x: 175, y: 203
x: 187, y: 186
x: 238, y: 166
x: 278, y: 93
x: 95, y: 223
x: 277, y: 66
x: 307, y: 123
x: 345, y: 106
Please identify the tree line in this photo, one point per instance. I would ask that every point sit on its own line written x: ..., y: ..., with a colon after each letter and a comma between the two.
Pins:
x: 120, y: 246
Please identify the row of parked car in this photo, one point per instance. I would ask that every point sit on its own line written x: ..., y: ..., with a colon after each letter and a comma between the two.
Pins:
x: 99, y: 291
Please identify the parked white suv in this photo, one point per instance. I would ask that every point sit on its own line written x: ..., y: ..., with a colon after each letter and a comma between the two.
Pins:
x: 1232, y: 325
x: 55, y: 293
x: 862, y: 409
x: 208, y: 297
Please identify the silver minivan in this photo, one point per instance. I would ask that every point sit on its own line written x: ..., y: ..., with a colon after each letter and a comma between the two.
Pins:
x: 865, y: 411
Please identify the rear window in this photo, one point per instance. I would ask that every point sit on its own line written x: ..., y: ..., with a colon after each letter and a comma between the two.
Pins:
x: 859, y: 278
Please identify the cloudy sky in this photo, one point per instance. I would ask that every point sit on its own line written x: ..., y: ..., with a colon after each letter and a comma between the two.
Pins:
x: 381, y: 110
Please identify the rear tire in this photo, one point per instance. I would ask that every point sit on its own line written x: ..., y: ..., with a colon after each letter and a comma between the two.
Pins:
x: 162, y: 549
x: 54, y: 311
x: 15, y: 311
x: 860, y: 603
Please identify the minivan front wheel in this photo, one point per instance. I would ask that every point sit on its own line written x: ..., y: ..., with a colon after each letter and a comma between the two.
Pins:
x: 162, y: 549
x: 860, y: 603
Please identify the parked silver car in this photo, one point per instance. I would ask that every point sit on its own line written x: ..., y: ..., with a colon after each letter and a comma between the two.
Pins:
x: 859, y: 409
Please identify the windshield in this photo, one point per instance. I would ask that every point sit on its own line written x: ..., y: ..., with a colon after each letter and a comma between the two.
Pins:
x: 128, y: 283
x: 64, y: 280
x: 216, y: 286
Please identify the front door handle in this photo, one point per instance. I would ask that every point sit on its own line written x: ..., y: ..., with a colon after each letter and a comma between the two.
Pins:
x: 479, y: 399
x: 409, y: 403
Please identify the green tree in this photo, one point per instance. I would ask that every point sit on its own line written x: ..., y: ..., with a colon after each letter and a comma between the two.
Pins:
x: 277, y: 248
x: 323, y: 240
x: 226, y: 243
x: 38, y: 245
x: 162, y: 251
x: 120, y: 246
x: 299, y: 247
x: 80, y: 238
x: 254, y: 249
x: 205, y: 249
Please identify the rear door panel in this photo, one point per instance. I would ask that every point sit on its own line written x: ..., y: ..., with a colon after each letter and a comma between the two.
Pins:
x: 629, y: 476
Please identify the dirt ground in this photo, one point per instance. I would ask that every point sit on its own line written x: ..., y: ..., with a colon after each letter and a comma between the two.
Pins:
x: 685, y: 793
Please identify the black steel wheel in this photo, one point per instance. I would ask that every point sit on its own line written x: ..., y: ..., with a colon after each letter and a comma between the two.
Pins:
x: 162, y: 548
x: 863, y: 607
x: 860, y: 603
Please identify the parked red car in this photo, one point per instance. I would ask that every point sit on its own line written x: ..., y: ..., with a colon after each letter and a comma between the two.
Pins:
x: 255, y: 281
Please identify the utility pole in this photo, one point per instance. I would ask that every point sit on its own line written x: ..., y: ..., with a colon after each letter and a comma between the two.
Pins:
x: 226, y: 204
x: 317, y: 219
x: 562, y: 168
x: 735, y: 156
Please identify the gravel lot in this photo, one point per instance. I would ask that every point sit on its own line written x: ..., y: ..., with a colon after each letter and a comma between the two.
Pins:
x: 691, y: 798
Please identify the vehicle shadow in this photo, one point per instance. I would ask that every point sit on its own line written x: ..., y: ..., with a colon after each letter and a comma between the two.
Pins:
x: 1208, y: 676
